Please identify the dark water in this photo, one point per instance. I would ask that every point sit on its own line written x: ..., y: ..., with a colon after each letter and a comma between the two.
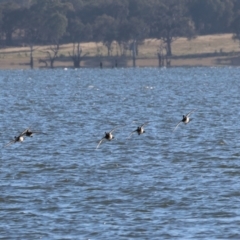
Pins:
x: 159, y: 185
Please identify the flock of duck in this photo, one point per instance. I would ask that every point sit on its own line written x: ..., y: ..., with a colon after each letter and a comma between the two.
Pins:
x: 20, y: 138
x: 108, y: 135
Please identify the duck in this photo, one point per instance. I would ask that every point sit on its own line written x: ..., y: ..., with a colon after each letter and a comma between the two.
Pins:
x: 29, y: 133
x: 108, y: 136
x: 19, y: 138
x: 140, y: 130
x: 185, y: 119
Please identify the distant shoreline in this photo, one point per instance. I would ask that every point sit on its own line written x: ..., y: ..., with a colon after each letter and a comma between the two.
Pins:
x: 209, y: 50
x: 94, y: 63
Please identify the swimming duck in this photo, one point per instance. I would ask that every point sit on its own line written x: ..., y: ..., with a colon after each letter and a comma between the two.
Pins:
x: 186, y: 119
x: 140, y: 130
x: 108, y: 135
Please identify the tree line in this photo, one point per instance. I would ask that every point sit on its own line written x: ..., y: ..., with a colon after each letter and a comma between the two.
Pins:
x: 127, y: 22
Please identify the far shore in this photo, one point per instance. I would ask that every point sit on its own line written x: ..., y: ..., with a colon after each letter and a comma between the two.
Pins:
x: 210, y: 50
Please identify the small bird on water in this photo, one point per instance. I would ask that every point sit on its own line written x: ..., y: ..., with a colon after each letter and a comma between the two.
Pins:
x: 186, y: 119
x: 140, y: 130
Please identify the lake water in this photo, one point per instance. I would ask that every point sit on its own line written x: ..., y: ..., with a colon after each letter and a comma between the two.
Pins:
x: 159, y: 185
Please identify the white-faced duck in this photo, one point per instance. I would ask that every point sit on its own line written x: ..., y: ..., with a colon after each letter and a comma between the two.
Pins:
x: 186, y: 119
x: 108, y: 136
x: 19, y: 138
x: 140, y: 130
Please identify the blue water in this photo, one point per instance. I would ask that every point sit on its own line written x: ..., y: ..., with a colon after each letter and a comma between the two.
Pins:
x: 159, y: 185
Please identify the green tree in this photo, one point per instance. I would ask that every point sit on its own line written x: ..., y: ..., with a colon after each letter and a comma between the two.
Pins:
x: 132, y: 31
x: 55, y: 27
x: 52, y: 20
x: 105, y: 31
x: 78, y: 33
x: 90, y: 11
x: 44, y: 24
x: 236, y: 26
x: 20, y: 3
x: 29, y: 26
x: 211, y: 16
x: 10, y: 21
x: 118, y: 9
x: 76, y: 4
x: 170, y: 21
x: 1, y: 25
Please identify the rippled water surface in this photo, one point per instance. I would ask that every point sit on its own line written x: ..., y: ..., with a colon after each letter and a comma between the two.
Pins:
x: 159, y: 185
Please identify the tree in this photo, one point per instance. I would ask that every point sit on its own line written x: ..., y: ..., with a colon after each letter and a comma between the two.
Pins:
x: 212, y: 16
x: 90, y: 11
x: 132, y: 32
x: 105, y: 30
x: 118, y: 9
x: 1, y: 24
x: 55, y: 27
x: 76, y: 4
x: 52, y: 53
x: 236, y: 27
x: 10, y: 21
x: 78, y: 32
x: 170, y: 21
x: 50, y: 16
x: 30, y: 23
x: 20, y: 3
x: 42, y: 24
x: 52, y: 26
x: 141, y: 9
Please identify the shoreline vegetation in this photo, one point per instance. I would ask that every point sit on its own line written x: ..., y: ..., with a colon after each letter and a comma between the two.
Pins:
x: 208, y: 50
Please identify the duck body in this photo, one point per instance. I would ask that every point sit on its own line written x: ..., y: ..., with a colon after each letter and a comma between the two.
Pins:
x: 185, y: 119
x: 140, y: 130
x: 108, y: 136
x: 19, y: 138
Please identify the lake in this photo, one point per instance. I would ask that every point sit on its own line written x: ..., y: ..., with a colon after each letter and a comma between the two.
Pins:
x: 162, y: 184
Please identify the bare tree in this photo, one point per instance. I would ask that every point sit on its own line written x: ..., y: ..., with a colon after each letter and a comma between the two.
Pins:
x: 76, y: 55
x: 162, y: 50
x: 52, y: 54
x: 133, y: 49
x: 31, y: 63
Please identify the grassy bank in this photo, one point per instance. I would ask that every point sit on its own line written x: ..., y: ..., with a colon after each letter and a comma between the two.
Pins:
x: 210, y: 50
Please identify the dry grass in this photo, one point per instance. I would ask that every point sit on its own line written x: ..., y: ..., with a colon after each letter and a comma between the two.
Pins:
x: 220, y: 47
x: 206, y: 44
